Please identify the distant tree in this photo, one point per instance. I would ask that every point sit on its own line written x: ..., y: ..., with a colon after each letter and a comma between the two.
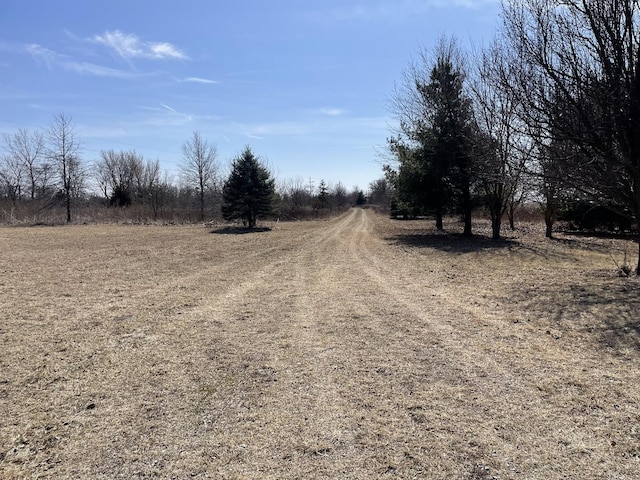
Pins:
x: 12, y: 172
x: 117, y: 174
x: 199, y: 167
x: 249, y: 192
x: 339, y: 195
x: 150, y: 189
x: 294, y: 193
x: 293, y: 197
x: 323, y: 195
x: 380, y: 192
x: 78, y: 178
x: 414, y: 185
x: 27, y: 149
x: 357, y: 196
x: 46, y: 180
x: 63, y: 147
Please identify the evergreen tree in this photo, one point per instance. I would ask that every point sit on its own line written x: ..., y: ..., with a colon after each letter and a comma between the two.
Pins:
x: 249, y: 192
x: 451, y: 125
x: 413, y: 194
x: 434, y: 142
x: 323, y: 195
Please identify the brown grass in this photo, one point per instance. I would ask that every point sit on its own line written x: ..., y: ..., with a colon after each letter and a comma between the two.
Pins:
x: 353, y: 348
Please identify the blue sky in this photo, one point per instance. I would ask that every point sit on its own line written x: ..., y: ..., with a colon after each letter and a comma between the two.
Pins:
x: 304, y: 83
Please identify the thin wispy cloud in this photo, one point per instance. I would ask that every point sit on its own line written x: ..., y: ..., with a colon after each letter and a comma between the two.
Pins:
x: 168, y: 114
x: 260, y: 131
x: 40, y: 53
x: 71, y: 35
x: 168, y: 108
x: 164, y: 112
x: 85, y: 68
x: 129, y: 46
x: 200, y: 80
x: 331, y: 112
x: 382, y: 10
x: 53, y: 59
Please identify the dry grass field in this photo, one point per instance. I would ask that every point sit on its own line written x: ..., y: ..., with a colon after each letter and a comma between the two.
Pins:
x: 358, y: 347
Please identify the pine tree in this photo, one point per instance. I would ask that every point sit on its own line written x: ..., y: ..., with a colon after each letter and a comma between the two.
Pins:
x: 450, y: 134
x: 249, y: 192
x: 323, y: 195
x: 433, y: 143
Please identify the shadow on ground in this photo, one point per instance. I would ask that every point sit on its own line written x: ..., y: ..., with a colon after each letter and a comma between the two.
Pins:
x: 603, y: 307
x: 614, y: 305
x: 591, y: 234
x: 595, y: 242
x: 451, y: 242
x: 239, y: 230
x: 557, y: 248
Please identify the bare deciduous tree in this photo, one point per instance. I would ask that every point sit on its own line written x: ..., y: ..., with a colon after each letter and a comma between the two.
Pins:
x: 294, y: 192
x: 12, y: 171
x: 27, y: 148
x: 149, y: 186
x: 502, y: 150
x: 340, y: 195
x: 585, y: 56
x: 199, y: 168
x: 63, y: 147
x: 380, y: 192
x: 117, y: 173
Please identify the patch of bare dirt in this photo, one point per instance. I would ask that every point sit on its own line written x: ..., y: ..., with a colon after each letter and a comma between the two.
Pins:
x: 358, y: 347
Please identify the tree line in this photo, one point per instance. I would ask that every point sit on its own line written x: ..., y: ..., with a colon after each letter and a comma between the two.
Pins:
x: 548, y: 112
x: 43, y: 174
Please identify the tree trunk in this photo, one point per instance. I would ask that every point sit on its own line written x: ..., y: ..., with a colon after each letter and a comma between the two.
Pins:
x: 495, y: 227
x: 549, y: 230
x: 638, y: 266
x: 439, y: 225
x: 201, y: 205
x: 496, y: 212
x: 467, y: 211
x: 467, y: 224
x: 548, y: 220
x: 511, y: 214
x: 68, y: 195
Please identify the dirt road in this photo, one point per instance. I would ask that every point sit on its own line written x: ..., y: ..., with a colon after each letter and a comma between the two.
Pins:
x: 317, y: 350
